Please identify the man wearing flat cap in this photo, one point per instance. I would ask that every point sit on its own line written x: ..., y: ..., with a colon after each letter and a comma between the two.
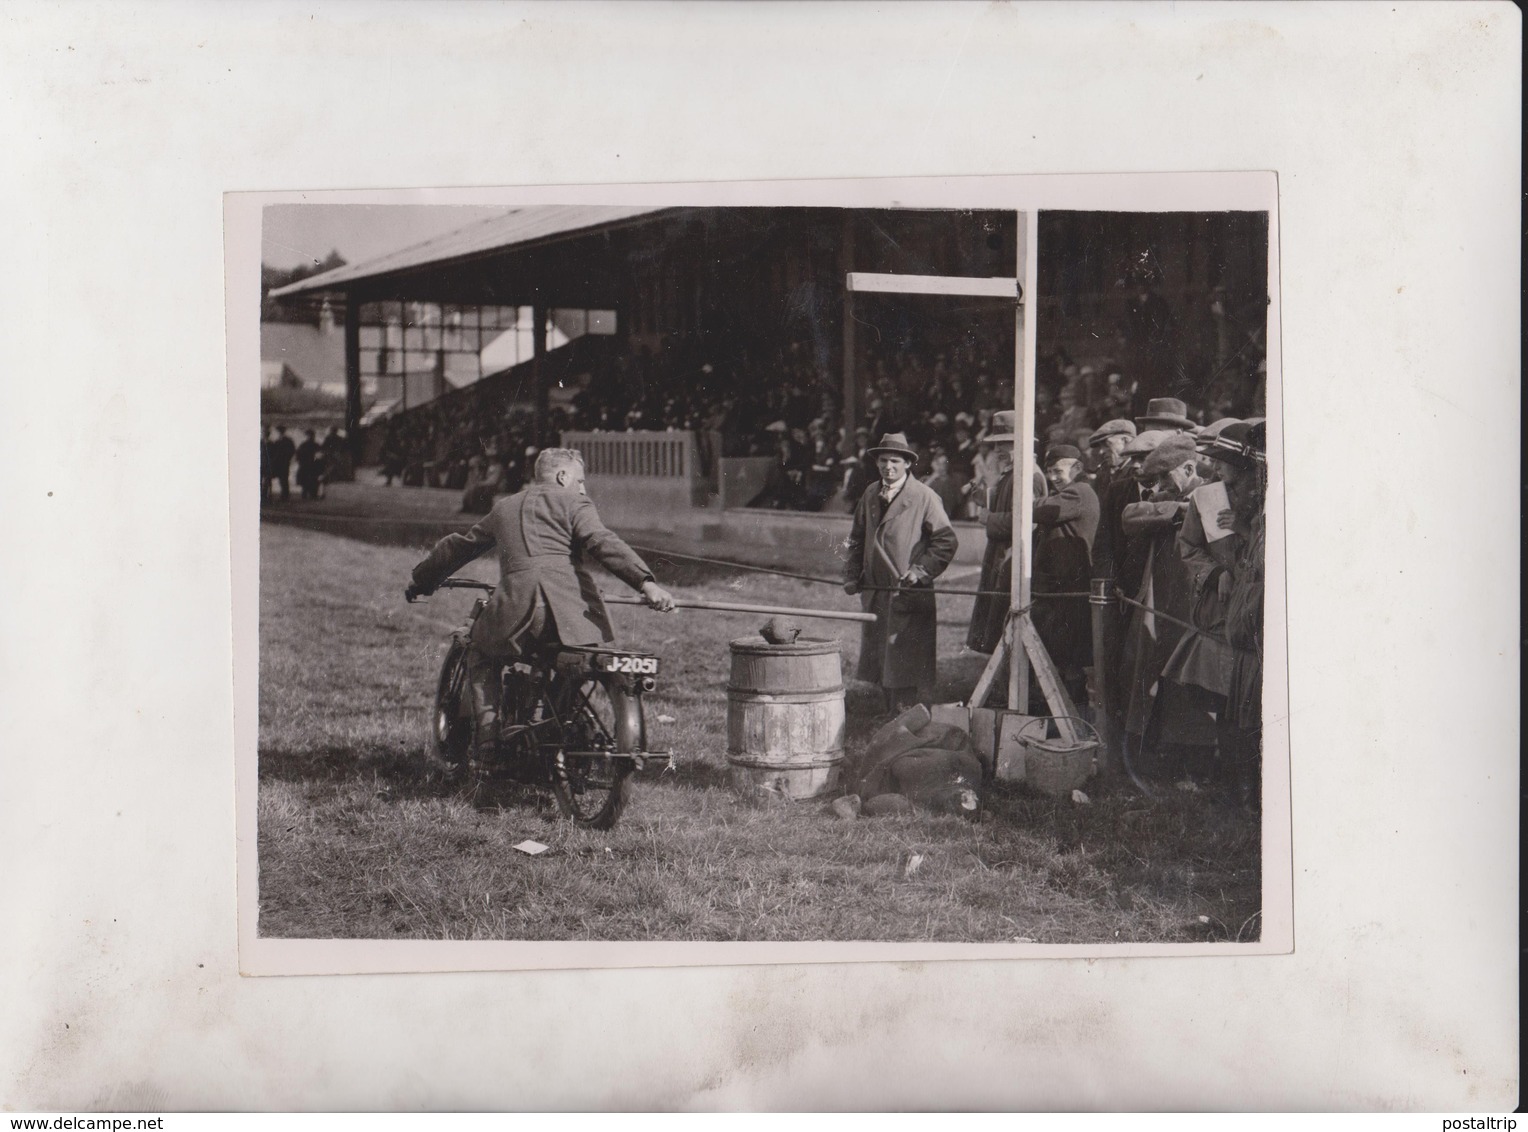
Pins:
x: 1065, y: 524
x: 1114, y: 553
x: 899, y: 542
x: 1107, y: 448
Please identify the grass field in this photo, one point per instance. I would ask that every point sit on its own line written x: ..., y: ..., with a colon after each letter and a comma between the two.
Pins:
x: 359, y: 837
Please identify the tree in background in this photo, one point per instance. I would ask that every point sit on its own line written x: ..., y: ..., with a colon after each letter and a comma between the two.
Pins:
x: 274, y: 277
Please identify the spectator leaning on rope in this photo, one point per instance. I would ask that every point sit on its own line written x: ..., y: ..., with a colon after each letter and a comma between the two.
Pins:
x: 899, y: 542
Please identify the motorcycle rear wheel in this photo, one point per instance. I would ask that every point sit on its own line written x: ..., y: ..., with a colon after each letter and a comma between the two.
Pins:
x: 593, y: 793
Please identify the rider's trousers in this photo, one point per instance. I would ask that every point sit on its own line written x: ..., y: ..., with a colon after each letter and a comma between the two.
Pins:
x: 483, y: 669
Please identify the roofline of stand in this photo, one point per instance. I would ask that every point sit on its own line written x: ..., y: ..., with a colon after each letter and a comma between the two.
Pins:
x: 322, y: 283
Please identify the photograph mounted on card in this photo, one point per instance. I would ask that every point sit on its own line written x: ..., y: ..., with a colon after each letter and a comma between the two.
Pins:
x: 758, y: 572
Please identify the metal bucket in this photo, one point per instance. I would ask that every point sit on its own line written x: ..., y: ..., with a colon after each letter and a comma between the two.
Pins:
x: 785, y: 718
x: 1057, y: 766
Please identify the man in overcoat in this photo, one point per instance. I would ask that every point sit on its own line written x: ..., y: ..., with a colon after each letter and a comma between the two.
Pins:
x: 309, y: 465
x: 1173, y: 731
x: 1065, y: 524
x: 544, y: 535
x: 283, y: 451
x: 899, y: 542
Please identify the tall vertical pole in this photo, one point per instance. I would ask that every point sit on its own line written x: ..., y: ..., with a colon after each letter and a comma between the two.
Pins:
x: 1105, y: 610
x: 1023, y: 455
x: 353, y: 376
x: 538, y: 375
x: 850, y: 397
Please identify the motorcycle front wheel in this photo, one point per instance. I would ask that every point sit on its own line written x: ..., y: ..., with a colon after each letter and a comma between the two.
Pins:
x: 451, y: 720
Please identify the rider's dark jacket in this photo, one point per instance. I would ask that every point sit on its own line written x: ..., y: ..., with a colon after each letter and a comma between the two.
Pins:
x: 544, y: 536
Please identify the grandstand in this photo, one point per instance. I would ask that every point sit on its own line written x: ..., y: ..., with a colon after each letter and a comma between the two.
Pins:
x: 672, y: 343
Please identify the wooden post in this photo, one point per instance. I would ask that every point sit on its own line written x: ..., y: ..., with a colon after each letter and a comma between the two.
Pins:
x: 1102, y: 604
x: 1023, y: 454
x: 353, y: 376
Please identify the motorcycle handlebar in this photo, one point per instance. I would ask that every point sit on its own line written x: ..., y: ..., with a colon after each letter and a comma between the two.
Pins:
x: 465, y: 584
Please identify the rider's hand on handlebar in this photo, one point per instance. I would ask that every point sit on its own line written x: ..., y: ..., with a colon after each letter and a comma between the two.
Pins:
x: 657, y: 597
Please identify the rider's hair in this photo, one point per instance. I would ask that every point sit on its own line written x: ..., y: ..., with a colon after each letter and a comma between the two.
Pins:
x: 550, y: 461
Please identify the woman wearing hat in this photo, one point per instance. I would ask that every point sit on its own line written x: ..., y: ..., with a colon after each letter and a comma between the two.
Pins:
x: 899, y: 542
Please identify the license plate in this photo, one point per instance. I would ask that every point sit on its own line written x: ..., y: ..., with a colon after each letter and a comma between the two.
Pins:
x: 635, y: 665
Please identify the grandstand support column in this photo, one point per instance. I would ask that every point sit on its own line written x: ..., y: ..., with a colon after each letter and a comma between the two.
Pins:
x: 538, y: 373
x: 850, y: 407
x: 353, y: 375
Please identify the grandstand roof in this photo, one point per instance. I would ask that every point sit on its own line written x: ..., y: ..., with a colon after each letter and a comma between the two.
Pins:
x: 520, y: 228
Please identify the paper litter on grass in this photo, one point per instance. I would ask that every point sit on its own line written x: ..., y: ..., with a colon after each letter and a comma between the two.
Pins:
x: 532, y: 848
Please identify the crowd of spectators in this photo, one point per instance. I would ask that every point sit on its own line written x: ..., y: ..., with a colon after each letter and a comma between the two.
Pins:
x: 1170, y: 512
x: 782, y: 401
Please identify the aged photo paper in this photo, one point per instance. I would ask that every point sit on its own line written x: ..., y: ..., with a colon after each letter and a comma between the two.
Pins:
x: 1206, y: 241
x: 1393, y: 136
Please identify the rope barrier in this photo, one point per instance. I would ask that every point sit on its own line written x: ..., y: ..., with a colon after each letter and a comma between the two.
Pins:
x: 1192, y: 628
x: 944, y: 592
x: 655, y: 552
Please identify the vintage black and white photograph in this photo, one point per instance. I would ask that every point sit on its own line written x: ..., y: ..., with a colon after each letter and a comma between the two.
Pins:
x: 773, y: 573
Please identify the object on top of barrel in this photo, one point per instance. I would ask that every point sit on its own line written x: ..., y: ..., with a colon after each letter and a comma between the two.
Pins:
x: 780, y: 631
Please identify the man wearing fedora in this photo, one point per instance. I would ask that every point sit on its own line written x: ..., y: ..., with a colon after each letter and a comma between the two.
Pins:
x: 1165, y: 414
x: 899, y: 542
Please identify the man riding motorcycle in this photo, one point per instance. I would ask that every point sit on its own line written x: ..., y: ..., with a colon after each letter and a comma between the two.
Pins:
x: 544, y: 536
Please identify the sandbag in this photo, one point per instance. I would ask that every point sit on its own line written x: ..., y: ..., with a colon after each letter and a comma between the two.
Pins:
x: 929, y: 764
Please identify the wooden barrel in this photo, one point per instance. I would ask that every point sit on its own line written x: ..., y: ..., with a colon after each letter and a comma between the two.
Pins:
x: 785, y: 717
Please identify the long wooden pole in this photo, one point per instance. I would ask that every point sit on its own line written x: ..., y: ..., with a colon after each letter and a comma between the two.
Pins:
x: 743, y: 607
